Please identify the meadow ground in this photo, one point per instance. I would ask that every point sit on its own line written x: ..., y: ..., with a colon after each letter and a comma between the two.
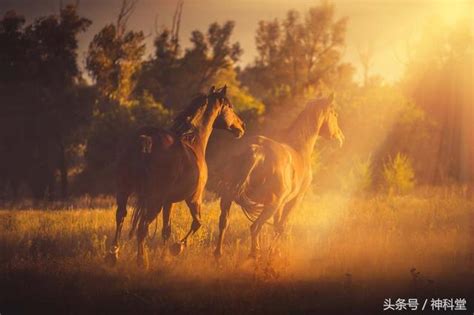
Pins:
x: 341, y: 254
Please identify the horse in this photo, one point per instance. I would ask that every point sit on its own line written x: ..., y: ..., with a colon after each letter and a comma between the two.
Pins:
x: 164, y: 167
x: 272, y: 176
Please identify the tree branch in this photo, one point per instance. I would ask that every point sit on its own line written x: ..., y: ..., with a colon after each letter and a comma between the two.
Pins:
x: 126, y: 10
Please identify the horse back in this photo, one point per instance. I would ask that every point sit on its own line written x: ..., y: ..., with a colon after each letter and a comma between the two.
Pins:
x: 139, y: 149
x: 267, y: 170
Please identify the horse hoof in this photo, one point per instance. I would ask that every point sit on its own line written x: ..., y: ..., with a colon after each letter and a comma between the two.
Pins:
x: 111, y: 259
x: 142, y: 262
x: 176, y: 248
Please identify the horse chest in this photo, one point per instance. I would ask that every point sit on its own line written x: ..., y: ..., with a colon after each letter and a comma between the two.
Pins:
x: 188, y: 180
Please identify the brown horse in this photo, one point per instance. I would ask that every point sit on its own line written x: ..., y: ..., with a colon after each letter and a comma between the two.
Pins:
x: 271, y: 177
x: 165, y: 167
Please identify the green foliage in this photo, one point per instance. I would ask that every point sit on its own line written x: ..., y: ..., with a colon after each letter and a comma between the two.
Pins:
x: 173, y: 76
x: 112, y: 126
x: 148, y: 112
x: 109, y: 128
x: 154, y: 90
x: 242, y: 100
x: 359, y: 178
x: 44, y: 104
x: 296, y: 53
x: 49, y: 116
x: 379, y: 120
x: 399, y: 175
x: 114, y: 59
x: 439, y: 78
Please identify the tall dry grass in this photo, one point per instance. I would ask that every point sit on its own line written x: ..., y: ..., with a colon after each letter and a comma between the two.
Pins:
x: 344, y: 246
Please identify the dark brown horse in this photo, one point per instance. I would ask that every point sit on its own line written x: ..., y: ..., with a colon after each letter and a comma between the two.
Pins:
x: 165, y: 167
x: 271, y: 177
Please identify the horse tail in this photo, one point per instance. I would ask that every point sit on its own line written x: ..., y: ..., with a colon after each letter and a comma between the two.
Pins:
x: 142, y: 175
x: 250, y: 159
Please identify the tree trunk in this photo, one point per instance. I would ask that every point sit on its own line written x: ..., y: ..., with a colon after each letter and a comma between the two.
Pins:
x: 63, y: 171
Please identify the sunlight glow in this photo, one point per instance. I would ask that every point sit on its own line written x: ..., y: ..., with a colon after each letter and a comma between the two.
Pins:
x: 452, y: 12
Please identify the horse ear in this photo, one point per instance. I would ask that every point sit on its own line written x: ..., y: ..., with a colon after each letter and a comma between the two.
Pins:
x: 223, y: 91
x: 212, y: 90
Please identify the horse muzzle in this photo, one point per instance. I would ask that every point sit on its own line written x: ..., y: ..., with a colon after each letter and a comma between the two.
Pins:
x: 237, y: 132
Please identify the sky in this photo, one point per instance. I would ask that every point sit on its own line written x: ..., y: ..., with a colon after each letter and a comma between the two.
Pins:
x: 387, y: 25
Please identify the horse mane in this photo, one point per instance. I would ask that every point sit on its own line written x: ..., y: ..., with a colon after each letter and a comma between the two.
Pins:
x: 304, y: 125
x: 182, y: 123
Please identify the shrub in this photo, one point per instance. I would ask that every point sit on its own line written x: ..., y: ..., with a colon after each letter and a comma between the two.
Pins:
x: 359, y: 177
x: 398, y: 174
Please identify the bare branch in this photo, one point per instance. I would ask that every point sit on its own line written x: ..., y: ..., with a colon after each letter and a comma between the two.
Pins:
x: 366, y: 56
x: 173, y: 23
x: 176, y: 24
x: 126, y: 10
x: 178, y: 20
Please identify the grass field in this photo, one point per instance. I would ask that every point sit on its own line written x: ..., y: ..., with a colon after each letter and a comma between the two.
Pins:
x: 341, y: 254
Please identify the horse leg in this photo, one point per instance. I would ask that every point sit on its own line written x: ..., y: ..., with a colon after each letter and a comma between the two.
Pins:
x: 120, y: 215
x: 280, y: 224
x: 281, y: 220
x: 142, y: 233
x: 166, y: 231
x: 223, y: 224
x: 122, y: 199
x: 142, y: 256
x: 256, y: 227
x: 195, y: 209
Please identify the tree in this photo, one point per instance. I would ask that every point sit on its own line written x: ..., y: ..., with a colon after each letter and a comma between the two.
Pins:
x: 42, y: 104
x: 366, y: 56
x: 115, y: 57
x: 398, y: 174
x: 13, y: 70
x: 171, y: 72
x: 296, y: 54
x: 115, y: 60
x: 439, y: 78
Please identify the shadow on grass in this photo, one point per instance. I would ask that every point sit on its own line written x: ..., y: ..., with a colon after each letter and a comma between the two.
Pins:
x: 82, y: 290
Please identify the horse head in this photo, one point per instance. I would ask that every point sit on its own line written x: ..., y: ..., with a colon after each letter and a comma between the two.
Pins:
x: 330, y: 126
x: 227, y: 118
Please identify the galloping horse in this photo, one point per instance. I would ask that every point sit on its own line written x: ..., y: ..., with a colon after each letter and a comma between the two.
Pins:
x: 164, y: 167
x: 271, y: 177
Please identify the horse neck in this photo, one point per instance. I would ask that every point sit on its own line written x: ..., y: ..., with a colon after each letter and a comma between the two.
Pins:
x: 304, y: 131
x: 203, y: 123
